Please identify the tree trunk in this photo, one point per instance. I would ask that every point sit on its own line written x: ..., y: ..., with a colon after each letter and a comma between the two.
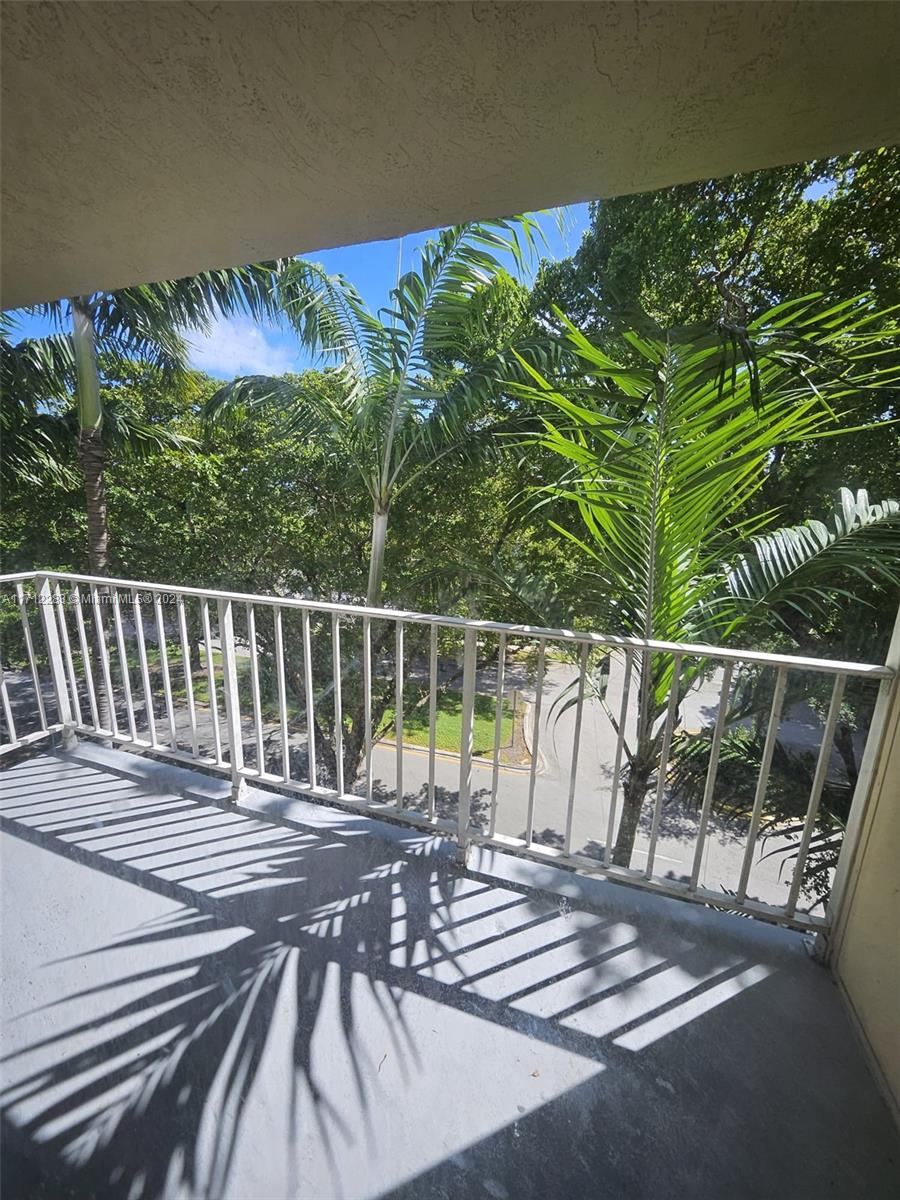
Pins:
x: 92, y: 459
x: 376, y: 559
x: 326, y: 756
x: 90, y: 433
x: 843, y: 740
x: 634, y: 792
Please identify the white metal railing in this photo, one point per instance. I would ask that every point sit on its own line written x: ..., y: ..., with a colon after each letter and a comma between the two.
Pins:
x: 236, y: 682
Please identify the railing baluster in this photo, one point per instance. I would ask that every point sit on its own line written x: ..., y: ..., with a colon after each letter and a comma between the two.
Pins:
x: 576, y: 743
x: 367, y: 702
x: 64, y: 654
x: 144, y: 666
x: 868, y: 764
x: 617, y: 761
x: 464, y: 808
x: 763, y: 780
x: 211, y: 680
x: 187, y: 668
x: 498, y: 728
x: 32, y: 661
x: 164, y: 667
x: 85, y: 657
x: 55, y: 659
x: 671, y: 712
x: 338, y: 710
x: 123, y: 663
x: 711, y: 773
x: 100, y: 629
x: 7, y: 707
x: 310, y: 702
x: 67, y: 651
x: 535, y: 741
x: 231, y: 695
x: 824, y: 761
x: 398, y: 710
x: 254, y: 686
x: 432, y: 716
x: 282, y: 695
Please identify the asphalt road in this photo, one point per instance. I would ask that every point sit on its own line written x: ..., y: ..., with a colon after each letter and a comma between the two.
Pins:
x: 724, y: 846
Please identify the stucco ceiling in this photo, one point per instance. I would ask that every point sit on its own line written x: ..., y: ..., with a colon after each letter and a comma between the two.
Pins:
x: 151, y: 140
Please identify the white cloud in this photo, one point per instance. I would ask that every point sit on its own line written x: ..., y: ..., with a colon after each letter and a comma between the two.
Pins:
x: 238, y: 346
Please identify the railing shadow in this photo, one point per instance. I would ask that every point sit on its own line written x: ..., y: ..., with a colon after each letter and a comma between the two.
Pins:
x: 139, y: 1085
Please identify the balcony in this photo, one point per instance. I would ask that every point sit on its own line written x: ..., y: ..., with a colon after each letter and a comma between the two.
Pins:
x: 236, y: 967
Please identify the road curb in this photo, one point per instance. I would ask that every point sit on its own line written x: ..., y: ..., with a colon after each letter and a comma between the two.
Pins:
x: 477, y: 759
x: 526, y: 732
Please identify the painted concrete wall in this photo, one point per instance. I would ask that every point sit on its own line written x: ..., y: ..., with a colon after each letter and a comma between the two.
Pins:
x: 867, y: 954
x: 149, y: 141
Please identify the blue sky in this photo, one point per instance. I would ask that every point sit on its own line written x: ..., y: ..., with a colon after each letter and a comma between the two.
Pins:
x: 242, y: 347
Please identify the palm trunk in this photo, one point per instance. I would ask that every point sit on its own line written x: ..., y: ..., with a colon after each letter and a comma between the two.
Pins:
x: 634, y: 792
x: 92, y: 458
x: 843, y: 740
x: 90, y: 434
x: 376, y: 559
x: 640, y: 768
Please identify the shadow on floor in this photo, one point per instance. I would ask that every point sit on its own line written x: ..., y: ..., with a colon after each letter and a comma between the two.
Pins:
x: 314, y: 1012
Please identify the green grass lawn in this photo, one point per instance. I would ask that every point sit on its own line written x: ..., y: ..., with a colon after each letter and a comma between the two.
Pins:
x: 448, y: 723
x: 200, y: 679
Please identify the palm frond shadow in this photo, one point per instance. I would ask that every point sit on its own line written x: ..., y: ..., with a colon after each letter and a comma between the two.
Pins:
x: 288, y: 958
x: 182, y: 1057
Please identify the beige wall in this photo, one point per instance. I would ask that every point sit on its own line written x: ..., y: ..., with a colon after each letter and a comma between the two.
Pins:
x: 866, y: 952
x: 148, y: 141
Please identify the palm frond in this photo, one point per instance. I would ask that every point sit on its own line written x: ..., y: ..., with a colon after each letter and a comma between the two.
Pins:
x: 37, y: 370
x: 147, y: 321
x: 661, y: 479
x: 36, y: 378
x: 332, y: 320
x: 800, y: 564
x: 132, y: 437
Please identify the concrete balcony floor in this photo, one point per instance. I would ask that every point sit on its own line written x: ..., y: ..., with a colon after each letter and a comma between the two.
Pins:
x: 290, y: 1001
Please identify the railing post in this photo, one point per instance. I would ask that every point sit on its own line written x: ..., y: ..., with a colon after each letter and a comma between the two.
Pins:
x: 470, y: 658
x: 47, y: 605
x: 232, y: 703
x: 887, y: 708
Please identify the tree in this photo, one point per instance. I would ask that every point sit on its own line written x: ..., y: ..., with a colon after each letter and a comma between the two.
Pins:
x: 409, y: 396
x: 692, y: 252
x: 663, y: 459
x: 144, y: 323
x: 252, y: 506
x: 721, y: 249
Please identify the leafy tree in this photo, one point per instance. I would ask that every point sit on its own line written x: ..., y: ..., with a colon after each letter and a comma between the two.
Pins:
x: 724, y: 249
x: 143, y: 323
x: 734, y: 246
x: 664, y: 457
x: 251, y: 505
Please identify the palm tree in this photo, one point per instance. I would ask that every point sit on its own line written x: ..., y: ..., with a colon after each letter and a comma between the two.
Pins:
x: 409, y: 396
x: 418, y: 383
x: 145, y: 322
x: 42, y: 375
x: 665, y: 457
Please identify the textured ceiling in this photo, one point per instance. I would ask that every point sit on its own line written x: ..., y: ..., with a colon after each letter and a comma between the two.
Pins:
x: 151, y: 140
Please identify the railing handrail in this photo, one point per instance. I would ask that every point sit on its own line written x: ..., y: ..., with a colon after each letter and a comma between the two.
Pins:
x: 67, y: 653
x: 614, y: 641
